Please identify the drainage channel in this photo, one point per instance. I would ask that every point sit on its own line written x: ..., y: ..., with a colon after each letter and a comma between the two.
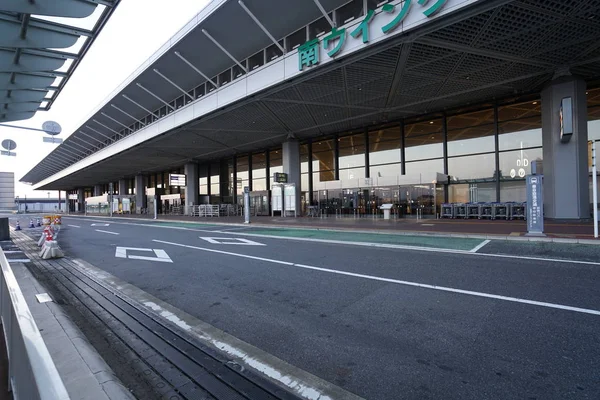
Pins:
x: 141, y: 347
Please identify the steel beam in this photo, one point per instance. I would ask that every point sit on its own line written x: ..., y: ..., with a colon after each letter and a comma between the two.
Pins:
x: 155, y: 96
x: 92, y: 146
x: 139, y: 105
x: 110, y: 129
x: 131, y: 116
x: 120, y: 123
x: 99, y: 133
x: 91, y: 137
x: 173, y: 84
x: 223, y: 49
x: 178, y: 54
x: 318, y: 4
x: 261, y: 26
x: 77, y: 144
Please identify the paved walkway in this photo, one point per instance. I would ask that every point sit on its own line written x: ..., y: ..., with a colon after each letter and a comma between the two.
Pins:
x: 553, y: 229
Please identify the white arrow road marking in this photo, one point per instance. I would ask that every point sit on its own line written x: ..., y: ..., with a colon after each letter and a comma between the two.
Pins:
x: 238, y: 241
x: 161, y: 255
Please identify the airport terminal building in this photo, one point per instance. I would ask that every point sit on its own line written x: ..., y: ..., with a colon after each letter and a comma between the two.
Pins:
x: 354, y: 104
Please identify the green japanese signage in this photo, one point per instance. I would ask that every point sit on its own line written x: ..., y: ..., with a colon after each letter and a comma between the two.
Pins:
x: 333, y: 43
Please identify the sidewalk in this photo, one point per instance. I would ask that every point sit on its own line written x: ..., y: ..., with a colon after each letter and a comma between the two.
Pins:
x: 500, y: 228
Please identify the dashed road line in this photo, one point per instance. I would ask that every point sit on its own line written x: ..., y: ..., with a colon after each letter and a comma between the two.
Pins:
x: 112, y: 233
x: 396, y: 281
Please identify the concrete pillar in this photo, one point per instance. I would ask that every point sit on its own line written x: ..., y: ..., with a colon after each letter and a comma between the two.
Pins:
x: 224, y: 178
x: 291, y: 166
x: 140, y: 194
x: 192, y: 186
x: 123, y: 187
x: 80, y: 200
x: 97, y: 190
x: 566, y: 175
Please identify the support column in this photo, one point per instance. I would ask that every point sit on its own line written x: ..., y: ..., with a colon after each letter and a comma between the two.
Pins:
x: 140, y: 194
x: 80, y: 200
x: 192, y: 186
x: 224, y: 179
x: 566, y: 174
x: 97, y: 190
x: 291, y: 166
x: 123, y: 187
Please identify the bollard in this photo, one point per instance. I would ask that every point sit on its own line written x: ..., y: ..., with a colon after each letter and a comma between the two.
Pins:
x: 38, y: 224
x: 18, y: 226
x: 31, y: 225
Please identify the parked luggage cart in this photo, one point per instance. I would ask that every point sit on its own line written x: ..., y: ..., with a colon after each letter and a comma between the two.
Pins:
x: 473, y: 210
x: 518, y: 211
x: 460, y: 210
x: 500, y: 211
x: 447, y: 210
x: 486, y: 210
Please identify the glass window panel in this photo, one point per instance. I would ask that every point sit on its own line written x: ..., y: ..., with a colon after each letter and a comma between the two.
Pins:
x: 521, y: 110
x: 201, y: 90
x: 274, y: 51
x: 215, y: 186
x: 386, y: 175
x: 295, y: 39
x: 517, y: 164
x: 483, y: 117
x: 237, y: 71
x: 352, y: 151
x: 593, y: 97
x: 242, y: 167
x: 259, y: 184
x: 349, y: 12
x: 304, y: 158
x: 513, y: 191
x: 203, y: 185
x: 321, y: 178
x: 352, y: 177
x: 472, y: 193
x: 259, y: 165
x: 478, y: 139
x: 482, y: 166
x: 224, y: 78
x: 384, y: 146
x: 276, y: 161
x: 422, y: 172
x: 323, y: 155
x: 594, y: 131
x: 423, y: 128
x: 319, y: 27
x: 304, y: 182
x: 372, y: 4
x: 256, y: 61
x: 520, y: 134
x: 424, y: 146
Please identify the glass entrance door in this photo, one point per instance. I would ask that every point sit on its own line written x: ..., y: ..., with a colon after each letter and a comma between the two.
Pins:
x: 422, y: 199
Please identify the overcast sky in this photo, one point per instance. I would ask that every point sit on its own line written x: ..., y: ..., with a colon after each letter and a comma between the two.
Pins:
x: 135, y: 31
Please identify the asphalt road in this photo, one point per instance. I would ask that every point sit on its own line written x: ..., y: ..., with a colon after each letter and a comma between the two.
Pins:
x: 357, y: 317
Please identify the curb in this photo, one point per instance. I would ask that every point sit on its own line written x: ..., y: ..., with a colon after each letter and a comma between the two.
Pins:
x: 482, y: 236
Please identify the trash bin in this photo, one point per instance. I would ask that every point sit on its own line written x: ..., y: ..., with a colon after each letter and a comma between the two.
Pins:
x: 4, y: 231
x: 386, y: 210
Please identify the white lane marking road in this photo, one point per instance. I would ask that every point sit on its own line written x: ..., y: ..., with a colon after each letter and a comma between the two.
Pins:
x: 238, y: 241
x: 479, y: 246
x: 74, y: 226
x: 161, y: 255
x: 396, y: 281
x: 112, y: 233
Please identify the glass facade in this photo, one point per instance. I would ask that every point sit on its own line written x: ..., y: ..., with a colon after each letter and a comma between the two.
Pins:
x: 484, y: 153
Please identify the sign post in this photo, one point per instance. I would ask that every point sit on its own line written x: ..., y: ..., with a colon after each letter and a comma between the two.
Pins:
x: 155, y: 206
x: 110, y: 198
x: 246, y: 204
x: 595, y: 188
x: 535, y: 206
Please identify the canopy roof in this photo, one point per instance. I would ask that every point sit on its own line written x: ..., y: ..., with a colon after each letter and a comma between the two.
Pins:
x: 41, y: 45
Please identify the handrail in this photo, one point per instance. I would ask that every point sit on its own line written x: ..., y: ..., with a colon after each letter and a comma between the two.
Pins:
x: 32, y: 373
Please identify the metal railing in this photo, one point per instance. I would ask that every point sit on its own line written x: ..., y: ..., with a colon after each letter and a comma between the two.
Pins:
x: 32, y: 374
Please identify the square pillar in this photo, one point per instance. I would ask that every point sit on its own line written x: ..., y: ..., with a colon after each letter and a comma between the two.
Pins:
x: 140, y: 194
x: 123, y: 187
x: 192, y: 186
x: 80, y: 200
x: 291, y: 166
x: 566, y: 174
x: 97, y: 190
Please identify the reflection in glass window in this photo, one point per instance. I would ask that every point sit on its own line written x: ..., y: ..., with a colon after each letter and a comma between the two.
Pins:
x: 295, y: 39
x: 215, y: 186
x: 521, y: 110
x: 520, y: 134
x: 472, y: 193
x: 469, y: 168
x: 517, y: 164
x: 513, y: 191
x: 273, y: 51
x: 352, y: 177
x: 384, y: 146
x: 259, y: 171
x: 424, y: 146
x: 471, y: 133
x: 422, y: 171
x: 321, y: 178
x: 323, y: 155
x: 318, y: 28
x: 385, y: 175
x: 276, y: 162
x: 352, y: 151
x: 242, y: 174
